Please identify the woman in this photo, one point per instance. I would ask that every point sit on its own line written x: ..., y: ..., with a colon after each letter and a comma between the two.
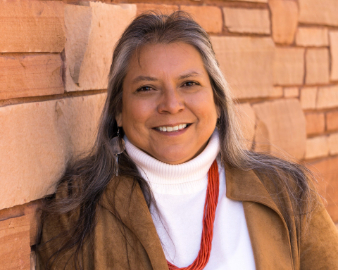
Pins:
x: 184, y: 194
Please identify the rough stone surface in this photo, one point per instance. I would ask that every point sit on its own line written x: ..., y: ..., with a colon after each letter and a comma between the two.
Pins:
x: 247, y: 64
x: 261, y: 140
x: 243, y: 20
x: 332, y: 120
x: 318, y: 12
x: 276, y: 91
x: 308, y: 97
x: 209, y: 17
x: 284, y: 15
x: 327, y: 173
x: 256, y: 1
x: 285, y: 122
x: 327, y: 97
x: 37, y: 139
x: 317, y: 66
x: 164, y: 9
x: 14, y: 243
x: 312, y: 36
x: 92, y: 32
x: 36, y: 75
x: 317, y: 147
x: 334, y: 55
x: 333, y: 144
x: 247, y: 120
x: 291, y: 92
x: 289, y: 66
x: 32, y: 26
x: 315, y: 123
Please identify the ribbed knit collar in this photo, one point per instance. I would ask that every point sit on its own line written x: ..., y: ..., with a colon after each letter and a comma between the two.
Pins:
x: 178, y: 179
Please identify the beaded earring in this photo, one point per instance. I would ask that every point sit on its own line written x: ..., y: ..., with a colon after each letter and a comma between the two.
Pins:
x: 118, y: 146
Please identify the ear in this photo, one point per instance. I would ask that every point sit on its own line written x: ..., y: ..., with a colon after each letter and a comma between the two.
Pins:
x: 118, y: 119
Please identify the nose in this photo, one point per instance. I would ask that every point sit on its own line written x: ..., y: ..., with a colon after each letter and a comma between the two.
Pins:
x: 171, y: 101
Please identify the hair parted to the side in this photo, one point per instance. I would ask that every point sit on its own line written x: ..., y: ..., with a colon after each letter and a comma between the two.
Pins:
x: 88, y: 177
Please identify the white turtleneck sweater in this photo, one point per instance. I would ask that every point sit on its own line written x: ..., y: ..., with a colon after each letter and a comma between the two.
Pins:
x: 179, y: 192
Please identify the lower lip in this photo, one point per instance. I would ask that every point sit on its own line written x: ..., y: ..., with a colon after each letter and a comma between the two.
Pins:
x: 173, y: 133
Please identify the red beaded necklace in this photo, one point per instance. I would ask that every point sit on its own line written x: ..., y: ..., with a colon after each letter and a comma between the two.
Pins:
x: 208, y: 222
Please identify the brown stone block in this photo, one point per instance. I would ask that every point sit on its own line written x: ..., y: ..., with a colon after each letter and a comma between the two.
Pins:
x: 290, y: 92
x: 285, y: 122
x: 276, y: 91
x: 37, y: 139
x: 32, y: 26
x: 14, y: 243
x: 327, y: 172
x: 255, y: 1
x: 317, y: 66
x: 261, y: 140
x: 332, y: 121
x: 246, y: 63
x: 92, y: 32
x: 162, y: 8
x: 30, y: 75
x: 334, y: 55
x: 284, y: 20
x: 317, y: 147
x: 289, y: 66
x: 209, y: 17
x: 242, y: 20
x: 333, y: 144
x: 322, y: 12
x: 312, y: 36
x: 327, y: 97
x: 315, y: 123
x: 247, y: 121
x: 308, y: 97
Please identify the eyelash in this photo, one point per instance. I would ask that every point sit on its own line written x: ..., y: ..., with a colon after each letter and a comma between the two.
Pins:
x: 190, y: 82
x: 142, y: 89
x: 185, y: 84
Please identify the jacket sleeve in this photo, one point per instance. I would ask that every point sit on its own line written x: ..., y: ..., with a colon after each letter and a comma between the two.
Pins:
x: 319, y: 243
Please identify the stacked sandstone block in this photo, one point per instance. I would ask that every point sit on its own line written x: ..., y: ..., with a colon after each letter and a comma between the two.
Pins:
x: 280, y: 58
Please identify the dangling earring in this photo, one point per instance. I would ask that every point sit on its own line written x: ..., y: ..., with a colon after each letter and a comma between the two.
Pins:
x: 118, y: 146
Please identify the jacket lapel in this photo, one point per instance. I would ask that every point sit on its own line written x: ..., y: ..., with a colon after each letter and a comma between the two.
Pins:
x: 267, y: 228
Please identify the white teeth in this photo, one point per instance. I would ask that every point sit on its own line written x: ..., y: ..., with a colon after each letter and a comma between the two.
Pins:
x: 170, y: 129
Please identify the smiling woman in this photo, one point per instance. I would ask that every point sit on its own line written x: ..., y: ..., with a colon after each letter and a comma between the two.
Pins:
x: 181, y: 192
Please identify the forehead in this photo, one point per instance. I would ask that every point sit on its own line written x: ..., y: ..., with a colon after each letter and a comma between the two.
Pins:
x: 159, y: 57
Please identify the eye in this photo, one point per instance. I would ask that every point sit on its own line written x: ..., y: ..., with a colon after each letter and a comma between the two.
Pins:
x: 190, y: 83
x: 144, y: 89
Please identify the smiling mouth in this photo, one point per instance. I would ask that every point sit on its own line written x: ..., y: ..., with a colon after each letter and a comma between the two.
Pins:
x: 172, y: 128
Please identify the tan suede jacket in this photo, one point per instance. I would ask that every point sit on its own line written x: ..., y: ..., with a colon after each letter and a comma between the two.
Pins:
x: 276, y: 245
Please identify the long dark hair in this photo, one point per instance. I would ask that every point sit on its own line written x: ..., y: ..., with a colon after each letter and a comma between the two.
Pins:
x: 87, y: 178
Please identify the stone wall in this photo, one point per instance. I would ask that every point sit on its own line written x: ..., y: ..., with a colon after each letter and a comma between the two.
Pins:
x: 280, y: 58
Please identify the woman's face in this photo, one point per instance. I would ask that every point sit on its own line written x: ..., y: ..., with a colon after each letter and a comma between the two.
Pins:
x: 168, y: 108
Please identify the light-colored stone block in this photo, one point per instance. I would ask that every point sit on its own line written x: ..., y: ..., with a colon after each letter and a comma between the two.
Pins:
x: 332, y: 120
x: 315, y: 123
x: 327, y: 97
x: 334, y: 55
x: 32, y: 26
x: 30, y: 75
x: 37, y: 139
x: 284, y: 15
x: 255, y: 1
x: 312, y: 36
x: 15, y: 243
x: 247, y: 121
x: 308, y: 97
x: 285, y: 122
x: 333, y: 144
x: 291, y: 92
x: 162, y: 8
x: 242, y: 20
x: 92, y: 32
x: 246, y: 63
x: 277, y: 91
x: 317, y: 147
x: 289, y: 66
x: 317, y: 66
x: 261, y: 140
x: 209, y: 17
x: 323, y: 12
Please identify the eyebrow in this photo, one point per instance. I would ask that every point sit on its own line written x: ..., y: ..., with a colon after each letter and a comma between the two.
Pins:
x: 153, y: 79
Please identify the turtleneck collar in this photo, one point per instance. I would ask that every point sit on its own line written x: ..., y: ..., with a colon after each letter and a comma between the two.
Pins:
x: 178, y: 179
